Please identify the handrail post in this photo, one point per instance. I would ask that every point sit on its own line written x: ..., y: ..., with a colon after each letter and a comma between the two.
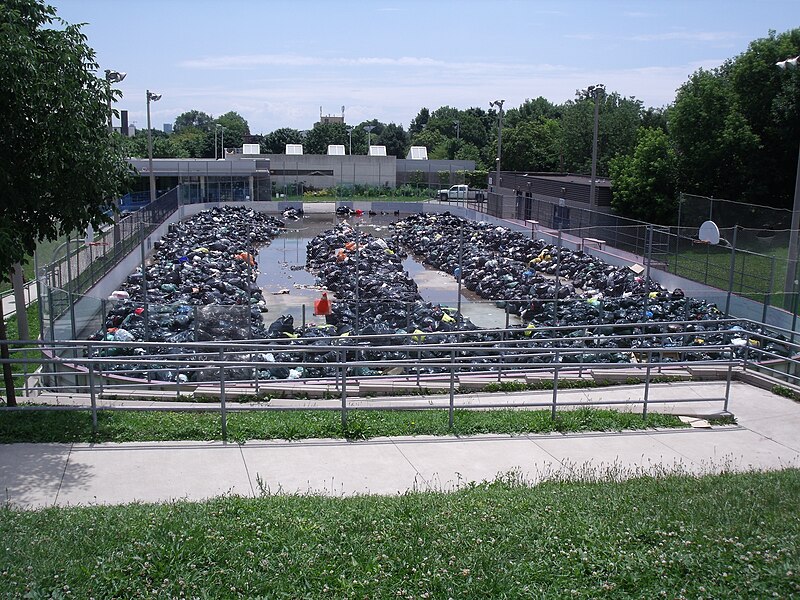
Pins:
x: 728, y: 381
x: 222, y: 407
x: 746, y: 353
x: 502, y: 357
x: 647, y: 383
x: 92, y: 395
x: 555, y: 385
x: 452, y: 389
x: 343, y: 359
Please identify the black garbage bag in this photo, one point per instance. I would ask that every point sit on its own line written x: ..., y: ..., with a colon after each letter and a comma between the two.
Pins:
x: 283, y: 324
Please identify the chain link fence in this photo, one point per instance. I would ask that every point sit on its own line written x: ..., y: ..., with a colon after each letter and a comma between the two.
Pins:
x: 750, y: 261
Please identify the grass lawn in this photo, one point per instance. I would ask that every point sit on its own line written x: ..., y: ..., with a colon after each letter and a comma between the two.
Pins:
x: 118, y: 426
x: 753, y: 276
x: 724, y: 536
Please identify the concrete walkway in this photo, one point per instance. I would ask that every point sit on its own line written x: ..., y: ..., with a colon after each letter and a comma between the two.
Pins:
x: 36, y: 475
x: 9, y: 300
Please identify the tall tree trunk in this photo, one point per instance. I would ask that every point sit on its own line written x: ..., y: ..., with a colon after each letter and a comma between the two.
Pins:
x: 19, y: 301
x: 8, y: 377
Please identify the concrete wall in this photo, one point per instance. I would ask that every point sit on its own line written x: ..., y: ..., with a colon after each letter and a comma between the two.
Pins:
x: 322, y: 171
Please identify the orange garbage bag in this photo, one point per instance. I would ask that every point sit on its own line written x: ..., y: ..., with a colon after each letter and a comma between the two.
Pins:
x: 247, y: 257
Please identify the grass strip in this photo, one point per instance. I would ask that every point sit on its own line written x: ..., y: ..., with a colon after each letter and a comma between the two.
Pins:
x: 119, y: 426
x: 719, y: 536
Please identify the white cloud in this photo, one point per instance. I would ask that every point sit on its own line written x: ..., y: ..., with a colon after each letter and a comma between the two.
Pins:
x: 667, y: 36
x: 686, y: 36
x: 286, y: 100
x: 249, y: 61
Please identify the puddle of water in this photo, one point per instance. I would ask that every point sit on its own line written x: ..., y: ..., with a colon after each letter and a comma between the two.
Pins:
x: 275, y: 264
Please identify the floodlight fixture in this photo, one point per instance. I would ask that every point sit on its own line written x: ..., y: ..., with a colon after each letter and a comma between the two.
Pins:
x: 368, y: 129
x: 595, y: 91
x: 790, y: 283
x: 151, y: 97
x: 499, y: 105
x: 112, y: 77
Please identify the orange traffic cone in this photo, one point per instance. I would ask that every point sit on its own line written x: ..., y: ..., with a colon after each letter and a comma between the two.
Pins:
x: 323, y: 305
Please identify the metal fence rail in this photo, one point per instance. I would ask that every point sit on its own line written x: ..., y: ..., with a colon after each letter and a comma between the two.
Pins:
x: 441, y: 367
x: 77, y: 265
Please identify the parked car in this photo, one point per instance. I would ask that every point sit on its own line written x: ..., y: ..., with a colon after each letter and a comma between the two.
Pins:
x: 461, y: 192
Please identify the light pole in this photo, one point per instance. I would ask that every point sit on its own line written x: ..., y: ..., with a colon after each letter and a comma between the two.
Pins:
x: 112, y: 77
x: 151, y: 97
x: 350, y: 133
x: 596, y: 91
x: 218, y: 127
x: 499, y: 105
x: 369, y: 129
x: 457, y: 123
x: 790, y: 282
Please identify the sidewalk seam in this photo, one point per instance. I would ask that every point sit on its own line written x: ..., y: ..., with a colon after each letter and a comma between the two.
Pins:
x: 543, y: 449
x: 425, y: 481
x: 687, y: 458
x: 247, y: 471
x: 63, y: 474
x: 771, y: 439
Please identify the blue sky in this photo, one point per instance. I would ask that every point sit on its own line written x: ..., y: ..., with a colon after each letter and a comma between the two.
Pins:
x: 277, y: 62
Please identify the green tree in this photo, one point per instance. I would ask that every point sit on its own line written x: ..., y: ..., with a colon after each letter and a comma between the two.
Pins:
x: 395, y: 139
x: 532, y: 110
x: 58, y: 163
x: 428, y: 138
x: 236, y: 128
x: 532, y: 146
x: 645, y: 182
x: 361, y: 139
x: 769, y: 100
x: 618, y: 122
x: 164, y: 146
x: 713, y: 139
x: 418, y: 123
x: 324, y: 134
x: 193, y: 143
x: 193, y: 119
x: 469, y: 152
x: 275, y: 142
x: 443, y: 120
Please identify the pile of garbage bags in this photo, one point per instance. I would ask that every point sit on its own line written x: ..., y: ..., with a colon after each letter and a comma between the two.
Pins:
x: 375, y: 295
x: 198, y: 284
x: 527, y: 276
